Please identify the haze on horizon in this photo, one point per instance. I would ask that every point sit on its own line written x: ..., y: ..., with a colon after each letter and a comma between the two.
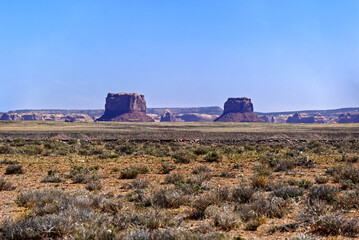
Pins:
x: 284, y: 55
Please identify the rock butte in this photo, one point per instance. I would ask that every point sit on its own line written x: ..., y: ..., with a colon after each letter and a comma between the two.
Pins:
x: 168, y: 116
x: 125, y: 107
x: 238, y: 110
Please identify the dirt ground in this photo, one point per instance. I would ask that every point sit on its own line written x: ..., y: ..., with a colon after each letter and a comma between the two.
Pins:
x: 279, y: 163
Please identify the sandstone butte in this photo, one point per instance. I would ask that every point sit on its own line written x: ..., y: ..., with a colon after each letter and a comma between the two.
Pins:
x: 125, y: 107
x: 238, y: 110
x: 168, y: 116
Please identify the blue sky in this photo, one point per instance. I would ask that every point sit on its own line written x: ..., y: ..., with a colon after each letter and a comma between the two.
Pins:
x: 284, y: 54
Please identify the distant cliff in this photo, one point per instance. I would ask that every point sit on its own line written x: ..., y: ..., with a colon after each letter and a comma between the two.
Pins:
x: 183, y: 110
x: 99, y: 112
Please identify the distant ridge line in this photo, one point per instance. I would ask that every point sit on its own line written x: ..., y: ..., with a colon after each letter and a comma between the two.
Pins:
x: 212, y: 110
x: 323, y: 112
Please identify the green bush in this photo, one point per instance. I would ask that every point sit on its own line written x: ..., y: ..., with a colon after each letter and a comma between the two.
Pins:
x: 184, y: 156
x: 213, y: 156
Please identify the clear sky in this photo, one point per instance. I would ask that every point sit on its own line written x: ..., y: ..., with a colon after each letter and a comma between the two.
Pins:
x: 284, y: 54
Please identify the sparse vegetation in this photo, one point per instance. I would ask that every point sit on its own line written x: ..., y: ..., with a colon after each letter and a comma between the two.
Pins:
x: 5, y: 185
x: 178, y: 190
x: 14, y: 169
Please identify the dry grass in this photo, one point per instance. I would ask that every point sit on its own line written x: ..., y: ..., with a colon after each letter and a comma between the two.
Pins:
x: 76, y: 189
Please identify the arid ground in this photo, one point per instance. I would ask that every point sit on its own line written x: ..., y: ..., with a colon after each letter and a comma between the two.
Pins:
x: 63, y: 180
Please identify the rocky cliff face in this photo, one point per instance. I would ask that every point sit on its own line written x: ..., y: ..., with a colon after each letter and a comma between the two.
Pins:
x: 305, y: 118
x: 168, y: 116
x: 238, y: 105
x: 239, y: 110
x: 45, y: 117
x: 125, y: 107
x: 348, y: 118
x: 275, y: 119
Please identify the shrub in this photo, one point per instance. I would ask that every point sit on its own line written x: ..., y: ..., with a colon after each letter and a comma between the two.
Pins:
x: 227, y: 174
x: 94, y: 185
x: 348, y: 159
x: 43, y: 227
x: 344, y: 173
x: 201, y: 169
x: 323, y: 192
x: 174, y: 178
x: 132, y: 171
x: 200, y: 205
x: 213, y: 156
x: 168, y: 198
x: 201, y: 150
x: 127, y: 149
x: 287, y: 192
x: 142, y: 168
x: 53, y: 177
x: 115, y: 169
x: 243, y: 194
x: 154, y: 219
x: 6, y: 149
x: 19, y: 142
x: 304, y: 183
x: 129, y: 173
x: 262, y: 170
x: 283, y: 164
x: 313, y: 209
x: 222, y: 194
x: 259, y: 181
x: 321, y: 179
x: 193, y: 185
x: 272, y: 207
x: 55, y: 214
x: 15, y: 169
x: 32, y: 150
x: 140, y: 184
x: 285, y: 228
x: 347, y: 200
x: 303, y: 236
x: 184, y: 156
x: 81, y: 174
x: 337, y: 224
x: 140, y: 233
x: 304, y: 162
x: 226, y: 220
x: 5, y: 185
x: 253, y: 224
x: 49, y: 201
x: 167, y: 168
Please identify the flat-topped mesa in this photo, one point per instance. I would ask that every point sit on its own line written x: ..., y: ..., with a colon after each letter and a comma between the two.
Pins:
x: 120, y: 103
x: 348, y: 118
x: 238, y: 110
x: 125, y: 107
x: 238, y: 105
